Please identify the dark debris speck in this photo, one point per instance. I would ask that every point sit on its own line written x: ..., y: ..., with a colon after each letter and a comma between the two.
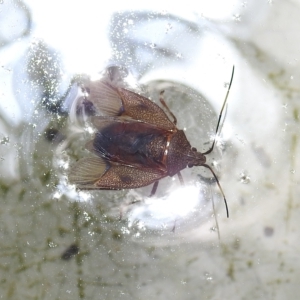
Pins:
x: 71, y: 251
x: 268, y: 231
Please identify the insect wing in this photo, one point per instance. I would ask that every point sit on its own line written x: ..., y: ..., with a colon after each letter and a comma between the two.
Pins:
x: 141, y: 108
x: 104, y: 97
x: 98, y: 173
x: 87, y: 171
x: 113, y: 101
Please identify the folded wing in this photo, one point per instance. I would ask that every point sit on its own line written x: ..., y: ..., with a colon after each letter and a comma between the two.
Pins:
x: 113, y: 101
x: 97, y: 173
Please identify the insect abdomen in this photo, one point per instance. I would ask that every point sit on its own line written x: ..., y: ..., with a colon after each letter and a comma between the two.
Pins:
x: 134, y: 143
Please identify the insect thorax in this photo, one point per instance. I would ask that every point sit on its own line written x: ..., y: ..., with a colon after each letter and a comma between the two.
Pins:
x: 179, y: 153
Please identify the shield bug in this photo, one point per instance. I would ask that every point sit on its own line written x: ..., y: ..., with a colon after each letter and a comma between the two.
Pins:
x: 136, y: 143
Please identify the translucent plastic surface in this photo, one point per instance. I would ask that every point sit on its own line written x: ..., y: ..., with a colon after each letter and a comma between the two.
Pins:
x: 58, y: 242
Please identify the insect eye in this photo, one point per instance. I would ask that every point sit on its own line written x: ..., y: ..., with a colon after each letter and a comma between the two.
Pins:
x: 194, y: 149
x: 190, y: 165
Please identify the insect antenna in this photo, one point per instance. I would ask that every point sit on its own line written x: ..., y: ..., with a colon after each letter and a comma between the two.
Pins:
x: 218, y: 183
x: 220, y: 115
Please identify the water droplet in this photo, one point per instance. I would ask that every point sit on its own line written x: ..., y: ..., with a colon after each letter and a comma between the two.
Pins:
x: 52, y: 244
x: 226, y: 85
x: 292, y: 77
x: 208, y: 277
x: 56, y: 195
x: 86, y: 216
x: 4, y: 141
x: 237, y: 17
x: 125, y: 230
x: 168, y: 27
x: 4, y: 67
x: 244, y: 178
x: 293, y: 171
x: 152, y: 46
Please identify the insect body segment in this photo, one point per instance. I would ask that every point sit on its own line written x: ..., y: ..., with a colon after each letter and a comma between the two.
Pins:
x: 132, y: 143
x: 179, y: 157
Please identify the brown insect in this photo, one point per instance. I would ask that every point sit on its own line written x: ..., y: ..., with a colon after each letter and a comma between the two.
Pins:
x: 136, y: 143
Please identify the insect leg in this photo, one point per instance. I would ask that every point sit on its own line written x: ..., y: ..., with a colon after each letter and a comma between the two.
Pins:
x: 162, y: 101
x: 122, y: 208
x: 154, y: 188
x: 180, y: 178
x: 174, y: 226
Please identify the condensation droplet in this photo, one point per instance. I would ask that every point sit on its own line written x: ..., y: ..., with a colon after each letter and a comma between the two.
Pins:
x: 86, y: 216
x: 208, y: 277
x: 293, y: 171
x: 168, y: 27
x: 125, y: 230
x: 244, y: 178
x: 52, y: 244
x: 213, y: 229
x: 56, y: 195
x: 4, y: 141
x: 237, y: 17
x: 152, y: 46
